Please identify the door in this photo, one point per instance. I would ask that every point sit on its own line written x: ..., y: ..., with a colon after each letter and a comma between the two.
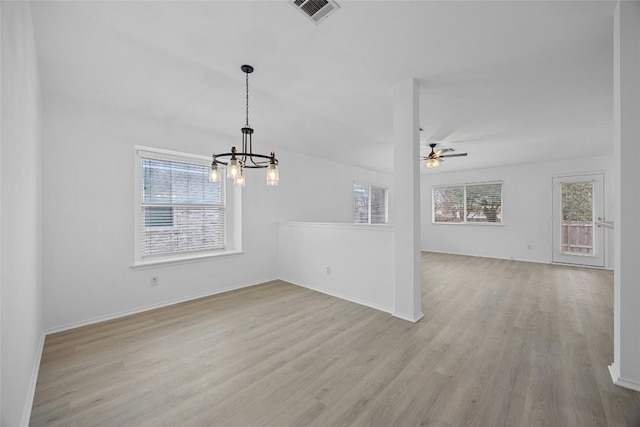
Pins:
x: 578, y: 201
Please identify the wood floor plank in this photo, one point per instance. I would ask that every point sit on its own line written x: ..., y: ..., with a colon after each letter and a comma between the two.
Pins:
x: 502, y: 343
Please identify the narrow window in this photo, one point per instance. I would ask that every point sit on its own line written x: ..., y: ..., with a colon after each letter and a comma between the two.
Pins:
x: 370, y: 204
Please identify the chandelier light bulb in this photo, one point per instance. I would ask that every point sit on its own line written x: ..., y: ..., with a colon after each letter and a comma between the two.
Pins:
x: 214, y: 173
x: 239, y: 179
x: 273, y: 177
x: 234, y: 169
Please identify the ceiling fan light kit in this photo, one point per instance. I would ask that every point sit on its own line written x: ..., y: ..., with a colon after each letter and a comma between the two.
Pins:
x: 432, y: 163
x: 435, y: 157
x: 236, y: 162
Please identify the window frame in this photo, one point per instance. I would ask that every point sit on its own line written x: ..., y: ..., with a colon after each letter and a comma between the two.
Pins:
x: 232, y: 213
x: 369, y: 216
x: 464, y: 196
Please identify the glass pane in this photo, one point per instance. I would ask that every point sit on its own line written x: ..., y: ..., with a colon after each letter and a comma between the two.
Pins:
x: 448, y: 204
x: 156, y: 181
x: 360, y: 204
x: 577, y: 218
x: 378, y: 205
x: 166, y: 182
x: 484, y: 203
x: 191, y: 229
x: 158, y: 216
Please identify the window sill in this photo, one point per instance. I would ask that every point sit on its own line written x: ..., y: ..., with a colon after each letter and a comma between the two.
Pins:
x: 471, y: 223
x: 167, y: 261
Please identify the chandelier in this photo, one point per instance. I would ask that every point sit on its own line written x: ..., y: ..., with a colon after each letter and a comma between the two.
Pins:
x: 236, y: 162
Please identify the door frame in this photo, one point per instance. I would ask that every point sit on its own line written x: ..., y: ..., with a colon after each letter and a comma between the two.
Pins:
x: 597, y: 259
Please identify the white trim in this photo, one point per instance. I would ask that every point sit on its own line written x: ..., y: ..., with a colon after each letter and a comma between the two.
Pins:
x: 472, y: 223
x: 341, y: 296
x: 167, y: 261
x: 578, y: 174
x: 369, y: 184
x: 484, y: 256
x: 467, y: 183
x: 621, y: 382
x: 152, y: 307
x: 518, y: 259
x: 407, y: 316
x: 31, y: 391
x: 162, y: 154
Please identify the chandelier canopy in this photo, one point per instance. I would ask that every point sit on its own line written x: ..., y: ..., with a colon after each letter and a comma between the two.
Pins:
x: 236, y: 162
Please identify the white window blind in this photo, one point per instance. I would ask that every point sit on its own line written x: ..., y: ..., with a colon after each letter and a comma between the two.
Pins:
x: 484, y: 202
x: 369, y: 204
x: 481, y: 202
x: 448, y: 204
x: 181, y: 211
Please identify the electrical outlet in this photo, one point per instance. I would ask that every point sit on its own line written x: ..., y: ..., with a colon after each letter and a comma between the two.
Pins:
x: 328, y: 271
x: 154, y: 281
x: 528, y: 247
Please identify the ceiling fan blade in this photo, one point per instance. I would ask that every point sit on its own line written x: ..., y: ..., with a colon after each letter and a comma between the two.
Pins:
x: 454, y: 155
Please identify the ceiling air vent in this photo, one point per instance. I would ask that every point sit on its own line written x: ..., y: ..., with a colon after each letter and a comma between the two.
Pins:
x: 315, y: 10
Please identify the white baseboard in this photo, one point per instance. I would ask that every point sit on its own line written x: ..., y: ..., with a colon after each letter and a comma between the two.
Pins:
x: 31, y: 391
x: 514, y: 259
x: 407, y: 317
x: 617, y: 380
x: 124, y: 313
x: 485, y: 256
x: 341, y: 296
x: 389, y: 310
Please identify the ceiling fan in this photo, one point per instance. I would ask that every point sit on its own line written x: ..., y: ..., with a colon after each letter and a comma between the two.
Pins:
x: 435, y: 157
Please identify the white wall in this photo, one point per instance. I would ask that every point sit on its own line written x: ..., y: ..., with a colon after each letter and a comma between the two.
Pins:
x: 526, y: 206
x: 406, y: 151
x: 88, y: 205
x: 359, y: 259
x: 315, y: 207
x: 316, y: 190
x: 625, y: 369
x: 88, y: 224
x: 20, y: 225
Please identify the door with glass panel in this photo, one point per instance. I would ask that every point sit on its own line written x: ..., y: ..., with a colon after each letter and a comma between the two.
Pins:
x: 578, y: 201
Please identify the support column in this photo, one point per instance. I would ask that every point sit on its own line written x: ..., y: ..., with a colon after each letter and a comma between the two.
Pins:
x: 406, y: 186
x: 625, y: 369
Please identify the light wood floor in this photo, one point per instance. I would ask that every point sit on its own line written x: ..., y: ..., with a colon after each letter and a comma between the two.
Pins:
x: 502, y: 343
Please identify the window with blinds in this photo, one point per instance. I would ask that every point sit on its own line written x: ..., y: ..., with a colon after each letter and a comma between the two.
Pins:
x: 468, y: 203
x: 369, y: 204
x: 180, y: 210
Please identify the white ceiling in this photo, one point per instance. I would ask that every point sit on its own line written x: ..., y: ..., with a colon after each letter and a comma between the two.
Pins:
x: 507, y: 82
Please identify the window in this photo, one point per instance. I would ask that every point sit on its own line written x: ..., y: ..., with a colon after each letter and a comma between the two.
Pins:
x: 468, y: 203
x: 179, y: 213
x: 369, y: 204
